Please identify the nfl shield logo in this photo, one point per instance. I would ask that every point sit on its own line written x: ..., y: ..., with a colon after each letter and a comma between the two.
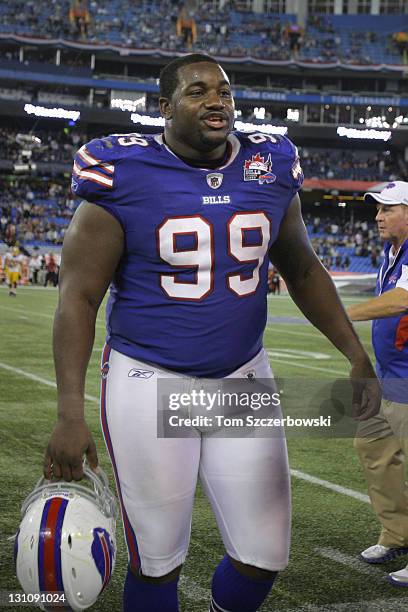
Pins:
x: 214, y: 179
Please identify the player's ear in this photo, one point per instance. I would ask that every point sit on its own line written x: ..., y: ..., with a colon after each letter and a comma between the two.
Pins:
x: 165, y: 108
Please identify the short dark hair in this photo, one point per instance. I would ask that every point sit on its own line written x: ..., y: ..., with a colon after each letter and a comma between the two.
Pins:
x: 169, y: 73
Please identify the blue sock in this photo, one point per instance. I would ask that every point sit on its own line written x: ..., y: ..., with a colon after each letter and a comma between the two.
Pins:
x: 140, y: 596
x: 234, y: 592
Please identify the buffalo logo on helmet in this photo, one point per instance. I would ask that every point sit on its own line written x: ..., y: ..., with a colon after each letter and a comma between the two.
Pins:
x: 103, y: 553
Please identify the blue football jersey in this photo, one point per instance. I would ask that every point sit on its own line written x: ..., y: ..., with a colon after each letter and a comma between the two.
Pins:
x: 390, y: 334
x: 190, y: 291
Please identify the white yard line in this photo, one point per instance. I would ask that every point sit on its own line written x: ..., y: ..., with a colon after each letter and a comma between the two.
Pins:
x: 309, y: 367
x: 351, y: 562
x: 18, y: 310
x: 23, y: 311
x: 39, y: 379
x: 193, y: 591
x: 331, y: 486
x: 274, y: 328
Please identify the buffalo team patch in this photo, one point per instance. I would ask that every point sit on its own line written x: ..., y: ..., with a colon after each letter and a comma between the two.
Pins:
x: 258, y: 169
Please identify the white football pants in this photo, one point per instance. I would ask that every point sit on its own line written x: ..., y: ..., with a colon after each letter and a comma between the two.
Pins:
x: 245, y: 479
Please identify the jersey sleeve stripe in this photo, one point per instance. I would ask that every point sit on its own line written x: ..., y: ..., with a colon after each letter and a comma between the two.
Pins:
x: 92, y: 161
x: 86, y: 172
x: 100, y: 170
x: 94, y: 176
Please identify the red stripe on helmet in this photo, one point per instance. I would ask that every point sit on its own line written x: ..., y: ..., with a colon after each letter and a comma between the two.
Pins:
x: 50, y: 574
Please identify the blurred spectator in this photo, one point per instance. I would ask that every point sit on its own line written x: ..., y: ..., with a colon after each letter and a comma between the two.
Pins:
x: 401, y: 42
x: 52, y: 271
x: 35, y: 266
x: 274, y: 280
x: 293, y: 33
x: 186, y: 28
x: 79, y: 17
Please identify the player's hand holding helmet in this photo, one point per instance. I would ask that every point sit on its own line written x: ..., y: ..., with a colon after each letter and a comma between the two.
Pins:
x: 69, y: 442
x: 66, y: 540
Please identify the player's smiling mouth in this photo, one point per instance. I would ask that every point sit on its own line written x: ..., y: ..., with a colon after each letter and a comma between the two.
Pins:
x: 215, y: 121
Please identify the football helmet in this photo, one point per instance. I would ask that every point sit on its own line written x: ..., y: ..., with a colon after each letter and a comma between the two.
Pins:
x: 66, y: 540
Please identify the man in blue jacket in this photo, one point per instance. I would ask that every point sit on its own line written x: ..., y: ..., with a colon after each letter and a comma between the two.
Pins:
x: 382, y: 441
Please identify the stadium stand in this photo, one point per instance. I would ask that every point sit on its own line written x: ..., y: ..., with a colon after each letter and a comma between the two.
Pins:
x: 348, y: 39
x: 56, y: 145
x: 349, y: 164
x: 35, y: 212
x: 344, y: 245
x: 354, y: 39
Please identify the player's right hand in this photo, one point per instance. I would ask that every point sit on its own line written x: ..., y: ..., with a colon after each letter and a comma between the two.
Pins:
x: 69, y: 442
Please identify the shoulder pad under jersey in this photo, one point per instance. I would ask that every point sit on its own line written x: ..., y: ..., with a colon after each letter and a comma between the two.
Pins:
x: 96, y: 163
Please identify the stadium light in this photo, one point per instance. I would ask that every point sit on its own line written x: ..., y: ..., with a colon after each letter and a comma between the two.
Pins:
x: 292, y: 114
x: 147, y: 120
x: 127, y: 104
x: 364, y: 134
x: 243, y: 126
x: 399, y: 121
x: 265, y: 128
x: 28, y: 140
x: 24, y: 168
x: 52, y: 113
x: 259, y: 112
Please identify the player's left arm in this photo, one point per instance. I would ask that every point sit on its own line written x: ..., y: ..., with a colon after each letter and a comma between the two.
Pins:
x: 312, y: 289
x: 390, y: 304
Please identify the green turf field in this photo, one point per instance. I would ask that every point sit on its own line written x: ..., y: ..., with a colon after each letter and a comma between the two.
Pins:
x: 330, y: 527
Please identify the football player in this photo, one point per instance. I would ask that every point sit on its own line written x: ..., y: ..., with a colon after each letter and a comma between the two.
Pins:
x: 13, y: 266
x: 181, y: 226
